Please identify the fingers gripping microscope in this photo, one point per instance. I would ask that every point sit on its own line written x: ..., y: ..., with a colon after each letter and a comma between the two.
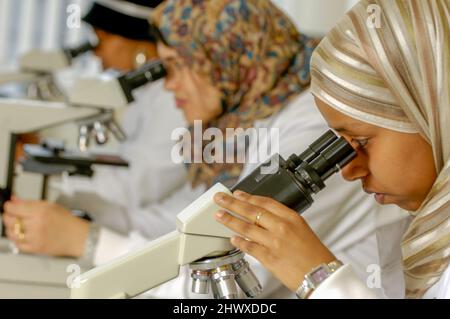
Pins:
x: 204, y: 244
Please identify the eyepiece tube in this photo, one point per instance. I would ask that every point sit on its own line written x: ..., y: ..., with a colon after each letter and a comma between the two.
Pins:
x: 313, y: 150
x: 318, y: 146
x: 151, y: 71
x: 333, y: 158
x: 294, y: 186
x: 82, y: 48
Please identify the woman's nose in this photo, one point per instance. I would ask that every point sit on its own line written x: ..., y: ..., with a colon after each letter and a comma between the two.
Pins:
x: 355, y: 170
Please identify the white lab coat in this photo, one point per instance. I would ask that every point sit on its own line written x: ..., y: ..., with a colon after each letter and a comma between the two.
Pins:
x: 345, y: 284
x: 113, y: 194
x: 343, y: 216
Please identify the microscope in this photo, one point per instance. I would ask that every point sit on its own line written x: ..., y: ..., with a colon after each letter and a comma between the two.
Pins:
x: 91, y: 107
x: 109, y: 92
x: 203, y: 244
x: 37, y: 68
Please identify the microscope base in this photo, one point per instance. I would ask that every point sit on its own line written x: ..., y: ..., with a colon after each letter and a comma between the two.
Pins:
x: 29, y: 276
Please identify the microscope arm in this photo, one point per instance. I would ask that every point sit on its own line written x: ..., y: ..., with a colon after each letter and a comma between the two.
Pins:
x: 103, y: 91
x: 160, y: 261
x: 17, y: 77
x: 37, y: 60
x: 199, y: 235
x: 110, y: 90
x: 133, y: 273
x: 24, y: 116
x: 44, y: 61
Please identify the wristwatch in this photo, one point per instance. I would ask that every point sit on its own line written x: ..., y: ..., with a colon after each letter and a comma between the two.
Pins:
x: 315, y: 277
x: 90, y: 246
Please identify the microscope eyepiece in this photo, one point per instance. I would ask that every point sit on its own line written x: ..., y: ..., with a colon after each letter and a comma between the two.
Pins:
x: 87, y: 46
x: 334, y: 157
x: 149, y: 72
x: 318, y: 146
x: 313, y: 150
x: 301, y: 176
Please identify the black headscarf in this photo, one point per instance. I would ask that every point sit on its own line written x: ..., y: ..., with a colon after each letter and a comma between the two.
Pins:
x: 110, y: 19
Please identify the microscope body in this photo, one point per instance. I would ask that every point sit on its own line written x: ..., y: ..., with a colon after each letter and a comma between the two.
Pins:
x: 37, y: 66
x: 29, y: 276
x: 36, y: 69
x: 113, y: 90
x: 198, y: 235
x: 93, y: 112
x: 298, y: 178
x: 91, y: 105
x: 204, y: 243
x: 25, y: 116
x: 40, y: 61
x: 290, y: 192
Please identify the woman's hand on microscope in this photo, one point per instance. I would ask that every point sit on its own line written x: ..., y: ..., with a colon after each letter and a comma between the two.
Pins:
x: 274, y: 234
x: 42, y: 227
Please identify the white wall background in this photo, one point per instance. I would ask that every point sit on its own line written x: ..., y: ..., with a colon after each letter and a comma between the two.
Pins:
x: 26, y: 24
x: 315, y: 17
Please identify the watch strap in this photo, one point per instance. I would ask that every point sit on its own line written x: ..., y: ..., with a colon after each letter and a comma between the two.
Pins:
x: 308, y: 285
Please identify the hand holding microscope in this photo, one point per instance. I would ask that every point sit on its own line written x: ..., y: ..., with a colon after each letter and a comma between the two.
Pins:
x: 204, y: 245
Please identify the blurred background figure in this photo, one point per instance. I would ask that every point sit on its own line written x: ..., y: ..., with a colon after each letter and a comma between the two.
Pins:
x: 51, y: 24
x: 124, y: 43
x: 41, y: 24
x: 113, y: 194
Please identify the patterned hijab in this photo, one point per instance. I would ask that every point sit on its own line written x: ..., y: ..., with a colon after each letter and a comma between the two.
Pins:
x: 252, y: 53
x: 397, y: 76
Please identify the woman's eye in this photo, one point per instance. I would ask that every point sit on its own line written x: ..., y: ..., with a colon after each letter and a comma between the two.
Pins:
x: 170, y: 70
x: 173, y: 67
x: 178, y: 65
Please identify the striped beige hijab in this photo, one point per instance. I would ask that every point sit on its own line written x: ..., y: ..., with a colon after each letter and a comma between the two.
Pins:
x: 397, y: 76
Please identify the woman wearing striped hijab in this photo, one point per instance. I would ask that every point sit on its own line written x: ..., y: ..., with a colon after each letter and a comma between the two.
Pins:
x: 239, y: 64
x: 383, y: 82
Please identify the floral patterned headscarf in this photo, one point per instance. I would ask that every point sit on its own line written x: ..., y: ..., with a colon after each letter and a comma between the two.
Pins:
x: 252, y: 52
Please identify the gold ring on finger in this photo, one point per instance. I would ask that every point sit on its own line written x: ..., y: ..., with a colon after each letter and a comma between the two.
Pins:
x: 258, y: 219
x: 19, y: 229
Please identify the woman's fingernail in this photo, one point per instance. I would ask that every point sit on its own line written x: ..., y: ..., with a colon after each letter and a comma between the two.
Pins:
x: 234, y: 241
x: 239, y: 194
x: 219, y: 214
x: 220, y: 197
x: 15, y: 199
